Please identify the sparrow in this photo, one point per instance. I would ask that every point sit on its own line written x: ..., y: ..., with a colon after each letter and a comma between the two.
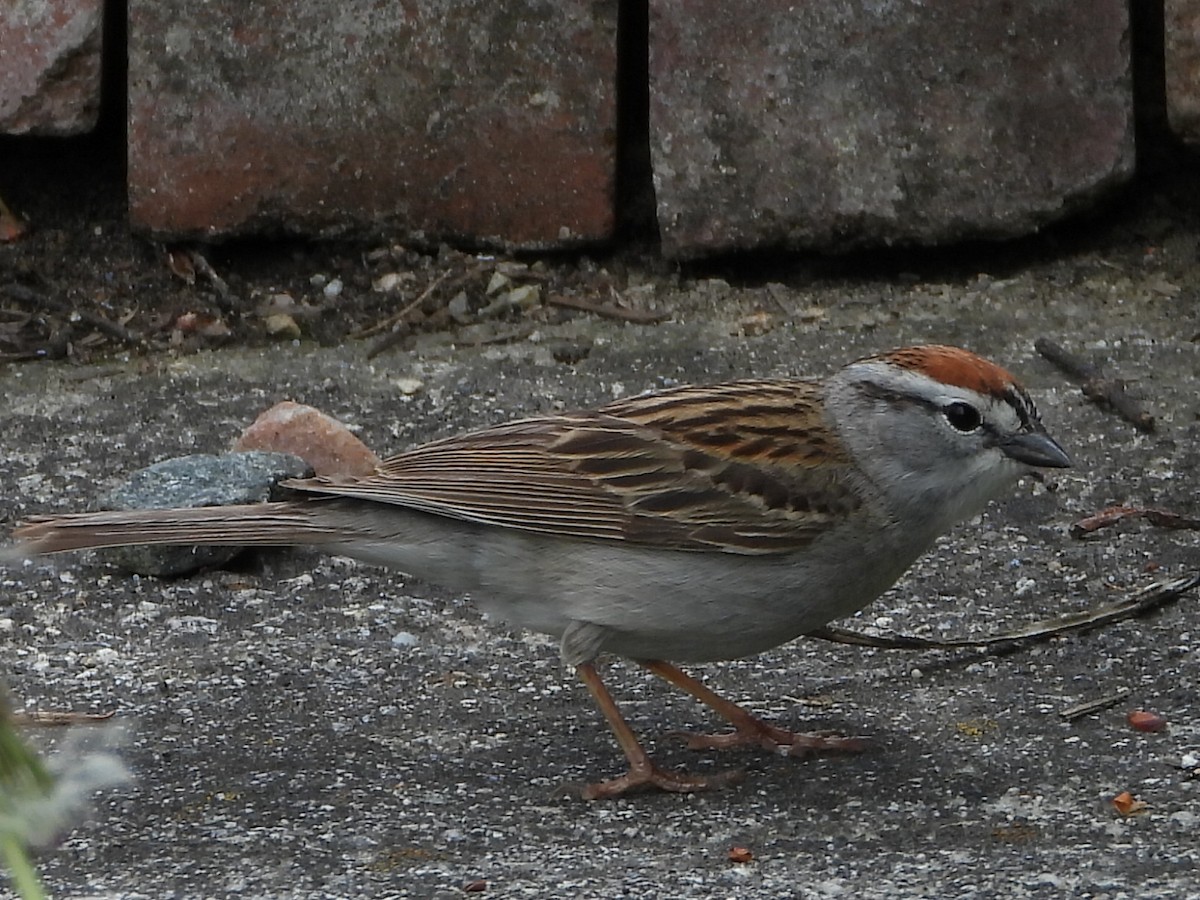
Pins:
x: 691, y: 525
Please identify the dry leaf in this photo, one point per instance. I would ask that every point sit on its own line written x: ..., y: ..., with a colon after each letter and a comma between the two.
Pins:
x: 180, y: 263
x: 12, y: 226
x: 1128, y: 805
x: 974, y: 728
x: 740, y: 855
x: 202, y: 324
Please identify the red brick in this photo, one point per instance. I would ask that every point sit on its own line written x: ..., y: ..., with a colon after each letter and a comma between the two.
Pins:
x: 458, y: 120
x: 782, y: 124
x: 50, y: 66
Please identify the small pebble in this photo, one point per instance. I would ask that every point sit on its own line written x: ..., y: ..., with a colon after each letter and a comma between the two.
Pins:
x: 282, y: 325
x: 388, y: 282
x: 1146, y: 720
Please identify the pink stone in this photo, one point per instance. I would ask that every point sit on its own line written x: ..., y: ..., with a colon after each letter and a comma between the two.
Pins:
x: 319, y: 439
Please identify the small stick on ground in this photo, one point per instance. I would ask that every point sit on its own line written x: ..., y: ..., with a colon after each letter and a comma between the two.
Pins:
x: 204, y: 267
x: 508, y: 336
x: 1082, y: 709
x: 393, y: 324
x: 396, y: 319
x: 1113, y: 515
x: 57, y: 718
x: 609, y: 310
x: 87, y: 316
x: 1138, y: 603
x: 111, y: 328
x: 1109, y: 393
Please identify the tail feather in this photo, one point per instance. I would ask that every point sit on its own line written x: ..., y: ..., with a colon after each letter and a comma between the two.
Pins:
x: 258, y: 524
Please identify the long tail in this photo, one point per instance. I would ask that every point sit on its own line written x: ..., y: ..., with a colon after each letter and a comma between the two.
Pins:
x: 258, y: 524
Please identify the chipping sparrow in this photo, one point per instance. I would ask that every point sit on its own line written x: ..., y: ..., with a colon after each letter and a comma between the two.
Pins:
x: 696, y: 524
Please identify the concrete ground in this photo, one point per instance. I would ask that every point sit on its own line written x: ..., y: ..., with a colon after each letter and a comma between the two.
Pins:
x: 307, y: 727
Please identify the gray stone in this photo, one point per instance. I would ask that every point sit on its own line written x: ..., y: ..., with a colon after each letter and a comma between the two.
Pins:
x: 197, y: 480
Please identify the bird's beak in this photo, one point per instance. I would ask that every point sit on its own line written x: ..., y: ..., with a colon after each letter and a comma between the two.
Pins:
x: 1036, y: 449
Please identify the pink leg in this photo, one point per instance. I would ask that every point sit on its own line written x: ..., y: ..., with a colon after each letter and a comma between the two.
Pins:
x: 643, y: 773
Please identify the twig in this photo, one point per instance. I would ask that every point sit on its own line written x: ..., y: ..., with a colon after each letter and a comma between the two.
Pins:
x: 608, y: 310
x: 58, y: 345
x: 393, y: 323
x: 1080, y: 710
x: 510, y: 336
x: 27, y: 718
x: 1135, y: 604
x: 1106, y: 392
x: 87, y: 316
x: 111, y: 328
x: 204, y: 267
x: 1112, y: 515
x: 387, y: 342
x: 1164, y: 518
x: 395, y: 319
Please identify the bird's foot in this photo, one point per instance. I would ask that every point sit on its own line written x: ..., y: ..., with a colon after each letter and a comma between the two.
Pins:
x: 749, y: 730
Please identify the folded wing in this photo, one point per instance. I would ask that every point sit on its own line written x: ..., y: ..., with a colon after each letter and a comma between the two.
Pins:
x: 730, y: 469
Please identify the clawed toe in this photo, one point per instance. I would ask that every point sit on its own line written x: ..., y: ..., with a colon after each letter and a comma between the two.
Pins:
x: 643, y: 774
x: 776, y: 740
x: 651, y: 777
x: 747, y: 729
x: 801, y: 744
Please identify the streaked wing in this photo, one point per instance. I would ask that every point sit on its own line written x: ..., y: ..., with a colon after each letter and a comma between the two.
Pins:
x: 734, y: 468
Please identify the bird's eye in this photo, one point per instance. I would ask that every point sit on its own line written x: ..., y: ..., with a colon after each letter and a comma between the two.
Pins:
x: 962, y: 416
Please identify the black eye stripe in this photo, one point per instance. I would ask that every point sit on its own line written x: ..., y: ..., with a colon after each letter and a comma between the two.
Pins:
x: 1015, y: 397
x: 1026, y: 411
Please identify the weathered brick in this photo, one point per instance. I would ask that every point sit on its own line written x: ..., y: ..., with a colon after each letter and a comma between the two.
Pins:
x: 1182, y: 47
x: 460, y: 120
x: 856, y: 123
x: 50, y: 66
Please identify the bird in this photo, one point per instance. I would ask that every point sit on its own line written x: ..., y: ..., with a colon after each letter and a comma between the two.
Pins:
x: 691, y: 525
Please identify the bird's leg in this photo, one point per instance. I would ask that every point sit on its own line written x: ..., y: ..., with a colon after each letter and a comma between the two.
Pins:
x: 748, y: 729
x: 643, y: 773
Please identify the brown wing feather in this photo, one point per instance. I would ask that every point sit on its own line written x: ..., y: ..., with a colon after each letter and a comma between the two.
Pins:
x: 735, y: 468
